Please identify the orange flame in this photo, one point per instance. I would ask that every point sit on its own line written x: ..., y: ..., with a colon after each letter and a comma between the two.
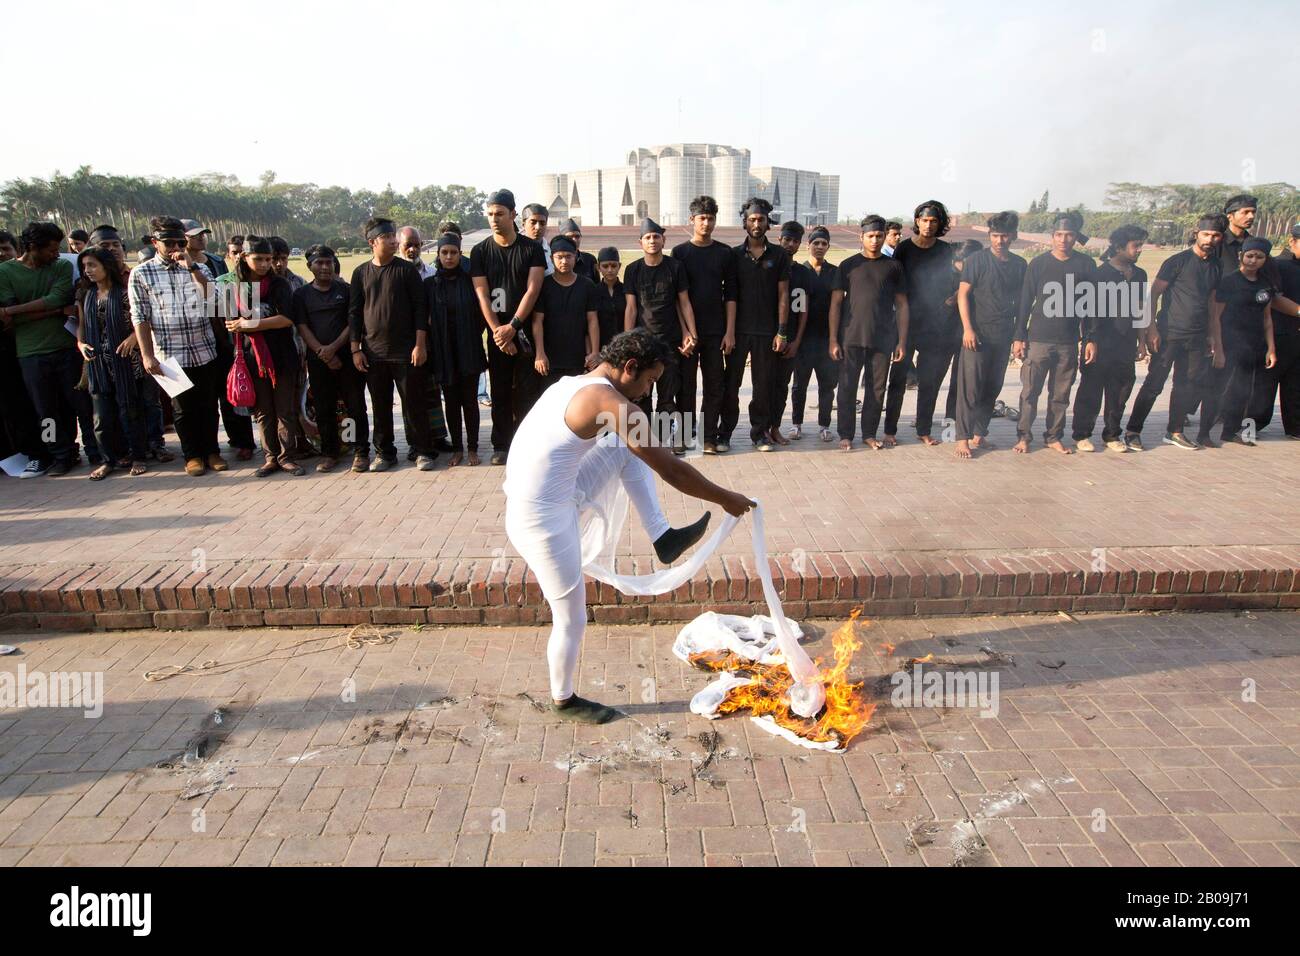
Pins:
x: 922, y: 660
x: 846, y: 713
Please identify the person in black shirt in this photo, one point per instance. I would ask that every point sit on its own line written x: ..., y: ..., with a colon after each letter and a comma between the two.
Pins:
x: 1049, y: 327
x: 1242, y: 309
x: 320, y: 311
x: 390, y: 344
x: 1181, y: 338
x: 586, y: 264
x: 658, y: 298
x: 453, y: 309
x: 265, y: 334
x: 1283, y: 379
x: 815, y: 350
x: 988, y: 301
x: 934, y: 331
x: 611, y: 301
x: 565, y: 329
x: 762, y: 327
x: 869, y: 320
x: 1114, y: 332
x: 711, y: 273
x: 508, y: 269
x: 800, y: 280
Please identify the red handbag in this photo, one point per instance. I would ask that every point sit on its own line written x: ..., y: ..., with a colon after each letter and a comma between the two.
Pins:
x: 239, y: 384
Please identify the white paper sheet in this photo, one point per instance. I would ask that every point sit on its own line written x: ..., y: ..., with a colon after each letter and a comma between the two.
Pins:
x: 13, y: 465
x: 173, y: 379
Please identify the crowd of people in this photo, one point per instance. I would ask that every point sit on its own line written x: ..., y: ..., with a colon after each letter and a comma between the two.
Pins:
x: 85, y: 337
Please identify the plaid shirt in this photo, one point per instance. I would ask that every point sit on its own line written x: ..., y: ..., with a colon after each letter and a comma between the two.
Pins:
x: 165, y: 295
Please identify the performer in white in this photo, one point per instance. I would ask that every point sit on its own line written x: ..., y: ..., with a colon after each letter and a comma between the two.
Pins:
x: 561, y: 464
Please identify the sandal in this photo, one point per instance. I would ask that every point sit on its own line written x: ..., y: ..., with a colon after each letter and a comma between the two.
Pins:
x: 138, y: 468
x: 102, y: 472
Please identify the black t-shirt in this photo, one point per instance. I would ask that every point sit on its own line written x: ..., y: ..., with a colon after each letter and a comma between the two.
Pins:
x: 564, y: 320
x: 1185, y: 312
x: 325, y: 313
x: 1288, y: 272
x: 506, y: 268
x: 611, y: 307
x: 757, y: 281
x: 820, y: 286
x: 867, y: 313
x: 1244, y: 303
x: 995, y: 292
x: 930, y: 282
x: 1120, y: 306
x: 711, y: 274
x: 278, y: 300
x: 1050, y: 299
x: 656, y: 289
x: 387, y: 308
x: 587, y: 266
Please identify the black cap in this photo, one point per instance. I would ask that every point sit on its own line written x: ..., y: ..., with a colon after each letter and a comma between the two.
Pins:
x: 648, y: 225
x: 502, y: 197
x: 562, y: 244
x: 610, y: 254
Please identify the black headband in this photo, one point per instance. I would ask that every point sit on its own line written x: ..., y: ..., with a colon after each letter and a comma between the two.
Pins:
x: 818, y: 232
x: 380, y: 229
x: 105, y: 235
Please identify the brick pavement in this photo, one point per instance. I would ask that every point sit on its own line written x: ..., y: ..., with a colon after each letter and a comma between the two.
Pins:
x: 912, y: 530
x: 1120, y: 739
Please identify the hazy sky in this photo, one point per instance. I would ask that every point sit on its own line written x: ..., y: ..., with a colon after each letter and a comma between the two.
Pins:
x: 985, y: 104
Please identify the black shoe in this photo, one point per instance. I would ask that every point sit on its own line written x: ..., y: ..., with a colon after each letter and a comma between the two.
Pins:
x: 670, y: 545
x: 1179, y: 440
x: 498, y: 458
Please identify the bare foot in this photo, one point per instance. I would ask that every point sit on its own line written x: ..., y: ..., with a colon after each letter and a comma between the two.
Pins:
x: 777, y: 437
x: 456, y: 459
x: 846, y: 445
x: 874, y: 444
x: 473, y: 458
x: 889, y: 441
x: 1022, y: 446
x: 963, y: 448
x: 928, y: 440
x: 1058, y: 446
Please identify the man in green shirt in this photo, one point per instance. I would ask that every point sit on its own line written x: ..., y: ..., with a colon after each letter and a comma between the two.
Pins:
x: 34, y: 289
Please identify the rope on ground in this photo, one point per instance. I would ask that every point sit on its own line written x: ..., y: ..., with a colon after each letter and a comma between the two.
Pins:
x: 355, y: 638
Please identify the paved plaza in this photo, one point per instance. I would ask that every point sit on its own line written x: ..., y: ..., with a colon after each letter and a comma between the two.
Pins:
x: 1119, y: 739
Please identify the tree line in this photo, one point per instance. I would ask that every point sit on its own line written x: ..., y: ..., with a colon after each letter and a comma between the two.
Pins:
x: 302, y: 213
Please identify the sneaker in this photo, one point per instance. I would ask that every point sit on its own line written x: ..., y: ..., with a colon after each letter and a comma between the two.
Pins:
x: 764, y: 444
x: 1179, y: 440
x: 722, y: 448
x: 498, y: 458
x: 1134, y: 441
x: 1085, y: 444
x: 58, y: 469
x: 360, y: 464
x: 424, y: 462
x: 710, y: 448
x: 382, y: 464
x: 35, y: 468
x: 825, y: 435
x: 1116, y: 445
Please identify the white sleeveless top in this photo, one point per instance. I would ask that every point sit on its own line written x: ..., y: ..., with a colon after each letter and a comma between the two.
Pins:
x: 545, y: 454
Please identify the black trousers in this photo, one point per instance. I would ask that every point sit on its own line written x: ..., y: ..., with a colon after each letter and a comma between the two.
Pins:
x: 20, y: 431
x: 814, y: 356
x: 665, y: 395
x: 713, y: 374
x: 120, y: 427
x: 462, y: 408
x: 239, y: 428
x: 785, y: 369
x: 871, y: 368
x: 1192, y: 367
x: 980, y: 374
x: 763, y: 374
x: 412, y: 386
x: 328, y: 386
x: 501, y: 383
x: 51, y: 380
x: 1054, y: 365
x: 194, y: 411
x: 1108, y: 378
x: 1281, y: 381
x: 688, y: 374
x: 1240, y: 376
x: 932, y: 361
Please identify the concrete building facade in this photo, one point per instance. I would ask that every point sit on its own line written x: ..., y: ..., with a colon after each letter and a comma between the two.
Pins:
x: 661, y: 181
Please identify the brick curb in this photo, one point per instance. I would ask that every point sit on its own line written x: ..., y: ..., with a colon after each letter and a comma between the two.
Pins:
x: 170, y: 596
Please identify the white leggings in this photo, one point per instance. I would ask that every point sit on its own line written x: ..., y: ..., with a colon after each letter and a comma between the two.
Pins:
x: 604, y: 462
